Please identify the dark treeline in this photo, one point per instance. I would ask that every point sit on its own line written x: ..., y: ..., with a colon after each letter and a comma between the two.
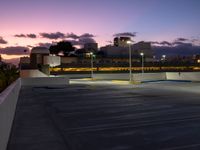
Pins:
x: 8, y: 74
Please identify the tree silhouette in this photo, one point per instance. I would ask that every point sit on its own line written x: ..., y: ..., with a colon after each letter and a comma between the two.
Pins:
x: 62, y: 47
x: 8, y: 74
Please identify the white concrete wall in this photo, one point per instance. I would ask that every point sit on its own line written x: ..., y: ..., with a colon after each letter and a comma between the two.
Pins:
x: 191, y: 76
x: 8, y: 101
x: 44, y: 81
x: 138, y: 77
x: 111, y: 76
x: 68, y: 60
x: 52, y: 60
x: 31, y: 73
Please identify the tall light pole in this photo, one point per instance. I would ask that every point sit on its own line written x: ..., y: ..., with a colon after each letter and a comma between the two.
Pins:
x: 142, y: 54
x: 91, y: 56
x: 130, y: 61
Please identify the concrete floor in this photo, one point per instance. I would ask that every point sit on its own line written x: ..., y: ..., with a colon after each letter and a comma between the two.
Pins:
x: 104, y: 115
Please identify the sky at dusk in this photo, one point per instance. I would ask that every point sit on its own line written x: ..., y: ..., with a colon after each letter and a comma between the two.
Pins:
x: 26, y: 23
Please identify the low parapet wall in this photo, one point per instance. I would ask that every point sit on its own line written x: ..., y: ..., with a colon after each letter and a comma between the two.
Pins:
x: 139, y: 77
x: 31, y: 73
x: 44, y: 81
x: 178, y: 76
x: 8, y: 101
x: 190, y: 76
x: 111, y: 76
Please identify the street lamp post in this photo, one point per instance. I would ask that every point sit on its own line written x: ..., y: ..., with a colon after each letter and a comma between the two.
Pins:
x: 142, y: 54
x: 91, y: 55
x: 130, y: 61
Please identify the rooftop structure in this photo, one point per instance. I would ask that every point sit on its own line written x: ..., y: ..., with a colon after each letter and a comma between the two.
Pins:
x: 40, y: 50
x: 123, y: 51
x: 121, y: 41
x: 40, y: 61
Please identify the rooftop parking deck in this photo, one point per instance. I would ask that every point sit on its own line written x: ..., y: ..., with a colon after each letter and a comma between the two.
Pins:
x: 99, y: 115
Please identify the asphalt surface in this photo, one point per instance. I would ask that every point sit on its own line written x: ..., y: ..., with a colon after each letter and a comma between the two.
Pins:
x: 99, y: 115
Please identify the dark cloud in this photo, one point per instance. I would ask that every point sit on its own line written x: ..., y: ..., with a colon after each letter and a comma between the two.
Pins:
x: 83, y: 41
x: 195, y: 40
x: 2, y: 41
x: 165, y: 43
x: 131, y: 34
x: 47, y: 45
x: 87, y: 35
x: 185, y: 49
x: 80, y: 40
x: 72, y: 36
x: 177, y: 43
x: 180, y: 46
x: 18, y: 50
x: 181, y: 39
x: 155, y: 42
x: 31, y: 35
x: 75, y: 36
x: 20, y: 35
x: 57, y: 35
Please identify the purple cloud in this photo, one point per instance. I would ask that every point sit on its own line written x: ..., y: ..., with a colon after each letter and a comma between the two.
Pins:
x: 195, y: 40
x: 47, y: 45
x: 155, y: 42
x: 87, y: 35
x: 181, y: 39
x: 2, y: 41
x: 18, y: 50
x: 72, y: 35
x: 20, y: 35
x: 82, y: 41
x: 130, y: 34
x: 31, y: 35
x: 165, y: 43
x: 75, y: 36
x: 178, y: 49
x: 57, y: 35
x: 182, y: 44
